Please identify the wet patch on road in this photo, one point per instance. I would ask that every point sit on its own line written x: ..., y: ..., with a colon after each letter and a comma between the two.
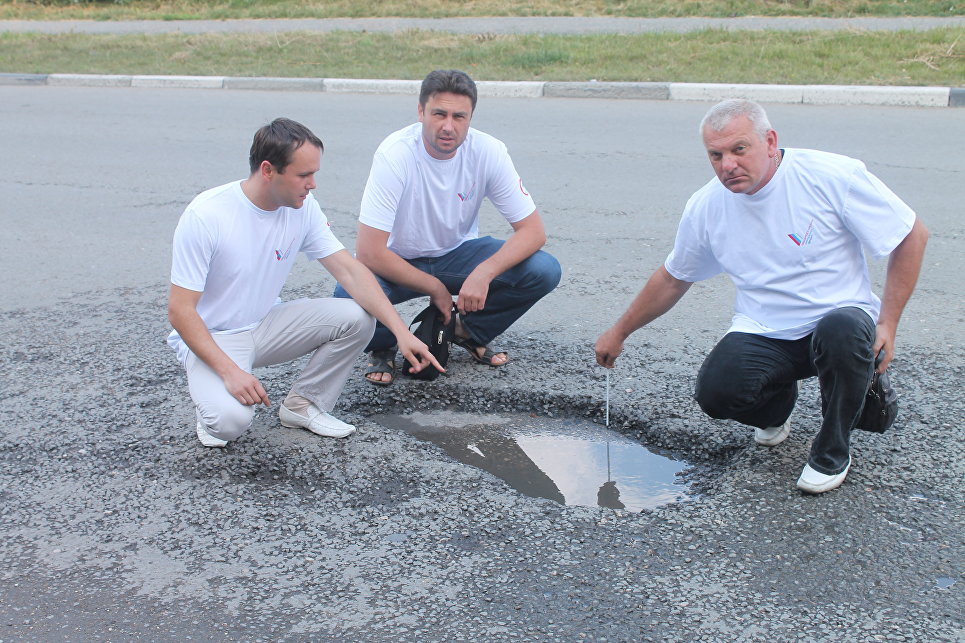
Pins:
x: 569, y: 461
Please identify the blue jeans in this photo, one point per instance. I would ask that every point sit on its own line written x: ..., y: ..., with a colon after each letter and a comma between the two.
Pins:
x: 511, y: 293
x: 753, y: 380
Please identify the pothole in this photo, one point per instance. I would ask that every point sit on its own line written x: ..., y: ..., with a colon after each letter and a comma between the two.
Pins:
x: 569, y: 461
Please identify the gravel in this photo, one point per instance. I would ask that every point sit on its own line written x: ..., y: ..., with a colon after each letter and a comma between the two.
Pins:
x: 118, y: 525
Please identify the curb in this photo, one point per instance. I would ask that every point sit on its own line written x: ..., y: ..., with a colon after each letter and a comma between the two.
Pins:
x: 805, y: 94
x: 565, y: 25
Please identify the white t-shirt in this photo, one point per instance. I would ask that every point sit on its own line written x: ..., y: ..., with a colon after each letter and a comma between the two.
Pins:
x: 431, y: 207
x: 793, y: 249
x: 239, y: 256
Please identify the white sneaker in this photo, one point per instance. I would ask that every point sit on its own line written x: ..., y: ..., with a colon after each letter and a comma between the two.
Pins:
x: 317, y: 421
x: 209, y: 440
x: 773, y: 436
x: 812, y: 481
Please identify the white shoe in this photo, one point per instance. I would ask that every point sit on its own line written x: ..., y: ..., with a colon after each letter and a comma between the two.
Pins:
x: 209, y: 440
x: 773, y: 436
x: 317, y: 421
x: 812, y: 481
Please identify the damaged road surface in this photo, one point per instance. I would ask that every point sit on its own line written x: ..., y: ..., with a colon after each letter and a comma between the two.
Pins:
x: 118, y: 525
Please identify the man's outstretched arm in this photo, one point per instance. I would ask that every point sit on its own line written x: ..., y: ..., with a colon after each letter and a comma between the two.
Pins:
x: 358, y: 281
x: 658, y: 295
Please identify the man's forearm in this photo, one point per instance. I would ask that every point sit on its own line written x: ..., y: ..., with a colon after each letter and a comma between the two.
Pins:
x: 528, y: 237
x: 659, y: 294
x: 198, y: 339
x: 361, y: 284
x: 393, y: 268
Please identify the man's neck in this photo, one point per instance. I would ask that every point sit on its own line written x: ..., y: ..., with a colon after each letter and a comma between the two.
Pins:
x: 250, y: 187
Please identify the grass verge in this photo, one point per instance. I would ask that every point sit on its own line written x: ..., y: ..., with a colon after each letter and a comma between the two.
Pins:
x: 225, y: 9
x: 867, y: 58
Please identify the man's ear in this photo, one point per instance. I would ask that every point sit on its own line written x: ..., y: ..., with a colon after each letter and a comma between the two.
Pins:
x: 266, y: 170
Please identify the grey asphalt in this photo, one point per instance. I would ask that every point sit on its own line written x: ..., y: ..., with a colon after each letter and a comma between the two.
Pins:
x: 495, y: 25
x: 117, y: 525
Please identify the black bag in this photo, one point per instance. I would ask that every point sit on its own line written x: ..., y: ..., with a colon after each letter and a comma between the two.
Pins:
x: 437, y: 335
x: 880, y: 405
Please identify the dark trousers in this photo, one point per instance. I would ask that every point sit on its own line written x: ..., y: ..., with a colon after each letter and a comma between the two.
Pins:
x: 753, y: 380
x: 511, y: 293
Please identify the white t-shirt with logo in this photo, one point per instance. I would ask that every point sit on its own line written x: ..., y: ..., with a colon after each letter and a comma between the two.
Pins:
x: 430, y: 206
x: 793, y: 249
x: 239, y: 256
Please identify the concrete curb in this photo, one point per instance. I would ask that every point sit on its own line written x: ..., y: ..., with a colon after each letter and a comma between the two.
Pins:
x: 806, y: 94
x: 567, y: 25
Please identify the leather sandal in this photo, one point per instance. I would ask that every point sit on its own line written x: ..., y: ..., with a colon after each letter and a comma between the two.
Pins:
x: 381, y: 362
x: 486, y: 358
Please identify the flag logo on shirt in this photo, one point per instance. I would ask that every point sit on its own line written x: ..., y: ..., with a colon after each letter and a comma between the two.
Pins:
x: 803, y: 239
x: 281, y: 256
x: 522, y: 189
x: 467, y: 196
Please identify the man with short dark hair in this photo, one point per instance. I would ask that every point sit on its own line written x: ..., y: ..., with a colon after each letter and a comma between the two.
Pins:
x: 789, y: 227
x: 419, y: 219
x: 233, y: 249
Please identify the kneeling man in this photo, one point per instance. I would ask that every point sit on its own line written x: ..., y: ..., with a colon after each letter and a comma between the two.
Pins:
x: 418, y: 226
x: 233, y: 249
x: 788, y: 226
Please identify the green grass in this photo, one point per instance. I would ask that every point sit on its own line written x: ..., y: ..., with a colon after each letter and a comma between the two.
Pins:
x: 908, y: 58
x: 222, y: 9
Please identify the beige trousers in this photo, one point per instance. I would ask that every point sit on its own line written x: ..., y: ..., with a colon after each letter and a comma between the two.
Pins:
x: 334, y: 330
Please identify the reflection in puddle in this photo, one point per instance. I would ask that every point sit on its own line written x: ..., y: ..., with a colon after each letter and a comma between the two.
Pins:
x: 573, y: 462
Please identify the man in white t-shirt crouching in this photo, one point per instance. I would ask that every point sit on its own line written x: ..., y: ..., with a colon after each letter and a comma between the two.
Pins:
x: 788, y: 227
x: 233, y: 249
x: 418, y: 226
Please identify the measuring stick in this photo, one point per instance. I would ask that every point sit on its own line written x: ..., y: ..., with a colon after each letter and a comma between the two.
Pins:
x: 607, y: 397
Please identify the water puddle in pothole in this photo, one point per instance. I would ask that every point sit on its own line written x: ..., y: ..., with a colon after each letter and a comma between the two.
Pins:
x: 574, y: 462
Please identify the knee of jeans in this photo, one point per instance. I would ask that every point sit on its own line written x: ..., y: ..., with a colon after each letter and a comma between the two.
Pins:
x: 228, y: 423
x: 843, y: 328
x: 547, y: 272
x: 716, y: 399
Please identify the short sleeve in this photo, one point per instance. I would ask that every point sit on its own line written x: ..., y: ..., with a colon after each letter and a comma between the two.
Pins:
x: 505, y: 187
x: 194, y: 246
x: 320, y: 241
x: 382, y: 194
x: 875, y: 214
x: 691, y: 259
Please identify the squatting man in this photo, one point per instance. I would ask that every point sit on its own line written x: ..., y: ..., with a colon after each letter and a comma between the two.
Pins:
x: 787, y: 226
x: 234, y: 247
x: 419, y: 219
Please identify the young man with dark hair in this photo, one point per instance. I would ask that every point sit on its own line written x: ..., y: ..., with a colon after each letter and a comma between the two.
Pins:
x: 419, y: 219
x: 233, y: 249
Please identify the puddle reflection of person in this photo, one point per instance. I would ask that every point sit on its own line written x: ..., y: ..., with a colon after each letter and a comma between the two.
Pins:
x: 609, y: 496
x: 498, y: 453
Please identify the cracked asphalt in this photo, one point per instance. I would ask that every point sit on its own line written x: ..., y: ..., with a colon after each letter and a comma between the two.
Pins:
x: 117, y: 525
